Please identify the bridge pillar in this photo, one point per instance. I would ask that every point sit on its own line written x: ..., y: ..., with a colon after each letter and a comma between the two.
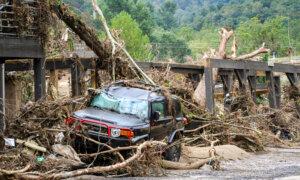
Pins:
x: 2, y: 95
x: 242, y: 78
x: 209, y: 87
x: 39, y: 78
x: 294, y: 80
x: 271, y: 88
x: 252, y: 83
x: 76, y: 79
x: 277, y: 85
x: 227, y: 81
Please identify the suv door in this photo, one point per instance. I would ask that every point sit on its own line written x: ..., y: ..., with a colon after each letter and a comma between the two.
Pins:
x: 162, y: 127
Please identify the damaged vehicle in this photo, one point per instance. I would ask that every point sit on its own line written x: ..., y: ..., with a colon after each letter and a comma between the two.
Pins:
x: 122, y: 115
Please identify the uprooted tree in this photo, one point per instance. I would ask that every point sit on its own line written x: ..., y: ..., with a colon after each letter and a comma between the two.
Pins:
x: 225, y: 35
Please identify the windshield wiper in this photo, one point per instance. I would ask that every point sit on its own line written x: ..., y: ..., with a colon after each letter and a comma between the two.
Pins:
x: 132, y: 115
x: 97, y: 107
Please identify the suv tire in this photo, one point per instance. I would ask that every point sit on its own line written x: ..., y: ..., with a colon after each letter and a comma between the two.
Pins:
x: 173, y: 153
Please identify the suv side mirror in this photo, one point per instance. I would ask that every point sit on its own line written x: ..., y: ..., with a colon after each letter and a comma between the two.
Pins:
x: 155, y: 116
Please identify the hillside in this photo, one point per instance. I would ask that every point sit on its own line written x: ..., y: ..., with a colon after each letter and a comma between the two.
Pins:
x: 177, y: 28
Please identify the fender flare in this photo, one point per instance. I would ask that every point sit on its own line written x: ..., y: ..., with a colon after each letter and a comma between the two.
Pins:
x: 171, y: 137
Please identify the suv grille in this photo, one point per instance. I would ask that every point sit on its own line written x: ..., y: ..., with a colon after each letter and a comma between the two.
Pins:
x: 96, y: 128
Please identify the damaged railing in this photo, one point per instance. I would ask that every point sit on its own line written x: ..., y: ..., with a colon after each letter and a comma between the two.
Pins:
x: 18, y: 18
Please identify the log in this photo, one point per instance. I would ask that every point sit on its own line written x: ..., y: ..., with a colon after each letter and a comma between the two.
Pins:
x: 114, y: 43
x: 261, y: 50
x: 225, y: 36
x: 103, y: 169
x: 31, y: 145
x: 81, y: 29
x: 184, y: 166
x: 12, y: 172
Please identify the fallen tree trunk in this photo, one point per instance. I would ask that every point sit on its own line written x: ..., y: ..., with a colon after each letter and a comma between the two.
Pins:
x: 84, y: 32
x: 225, y: 36
x: 184, y: 166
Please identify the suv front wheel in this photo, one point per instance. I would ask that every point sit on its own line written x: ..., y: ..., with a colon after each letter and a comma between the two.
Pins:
x: 173, y: 152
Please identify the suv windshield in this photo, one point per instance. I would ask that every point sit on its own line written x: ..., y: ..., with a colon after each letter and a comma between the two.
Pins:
x: 134, y: 107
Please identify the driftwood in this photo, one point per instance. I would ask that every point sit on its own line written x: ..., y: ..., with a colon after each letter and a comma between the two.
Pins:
x: 102, y: 144
x: 225, y: 36
x: 103, y: 169
x: 184, y: 166
x: 31, y: 145
x: 82, y: 30
x: 261, y: 50
x: 7, y: 172
x: 200, y: 92
x: 114, y: 43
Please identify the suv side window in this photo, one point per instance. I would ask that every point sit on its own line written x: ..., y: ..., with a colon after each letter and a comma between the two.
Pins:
x: 159, y: 107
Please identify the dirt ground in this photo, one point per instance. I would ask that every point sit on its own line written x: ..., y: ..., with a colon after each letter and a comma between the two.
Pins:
x: 276, y: 163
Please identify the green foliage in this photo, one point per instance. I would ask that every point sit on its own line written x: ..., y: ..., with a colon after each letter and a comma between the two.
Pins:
x: 204, y: 40
x: 168, y: 45
x: 140, y: 11
x: 186, y: 33
x: 273, y: 32
x: 136, y: 43
x: 166, y: 12
x: 192, y: 25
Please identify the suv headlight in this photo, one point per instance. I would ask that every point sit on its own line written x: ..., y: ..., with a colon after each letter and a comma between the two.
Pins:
x: 114, y: 132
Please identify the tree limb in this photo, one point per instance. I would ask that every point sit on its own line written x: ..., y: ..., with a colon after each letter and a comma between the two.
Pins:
x: 261, y: 50
x: 103, y: 169
x: 114, y: 43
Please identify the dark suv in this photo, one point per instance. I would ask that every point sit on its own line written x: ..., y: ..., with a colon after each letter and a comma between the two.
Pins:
x: 123, y: 115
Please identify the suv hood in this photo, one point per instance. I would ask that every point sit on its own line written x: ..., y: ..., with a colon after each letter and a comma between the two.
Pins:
x: 109, y: 117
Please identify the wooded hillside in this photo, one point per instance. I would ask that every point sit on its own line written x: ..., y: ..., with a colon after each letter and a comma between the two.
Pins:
x: 180, y: 28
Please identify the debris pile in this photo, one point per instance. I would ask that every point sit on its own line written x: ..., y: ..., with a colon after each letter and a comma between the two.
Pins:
x: 40, y: 145
x: 246, y: 125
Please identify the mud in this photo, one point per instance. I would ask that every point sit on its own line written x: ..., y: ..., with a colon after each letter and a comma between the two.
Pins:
x: 276, y: 163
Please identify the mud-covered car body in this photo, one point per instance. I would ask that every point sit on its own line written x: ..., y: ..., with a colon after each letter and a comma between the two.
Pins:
x: 120, y: 116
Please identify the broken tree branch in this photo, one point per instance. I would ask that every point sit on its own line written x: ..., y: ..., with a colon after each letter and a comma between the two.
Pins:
x: 114, y: 43
x: 31, y: 145
x: 102, y: 144
x: 26, y: 168
x: 84, y: 32
x: 261, y: 50
x: 110, y: 151
x: 103, y: 169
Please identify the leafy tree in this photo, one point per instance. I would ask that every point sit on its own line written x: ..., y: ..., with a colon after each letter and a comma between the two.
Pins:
x: 166, y: 15
x: 137, y: 44
x: 187, y: 33
x: 167, y: 45
x: 203, y: 41
x: 140, y: 11
x: 273, y: 32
